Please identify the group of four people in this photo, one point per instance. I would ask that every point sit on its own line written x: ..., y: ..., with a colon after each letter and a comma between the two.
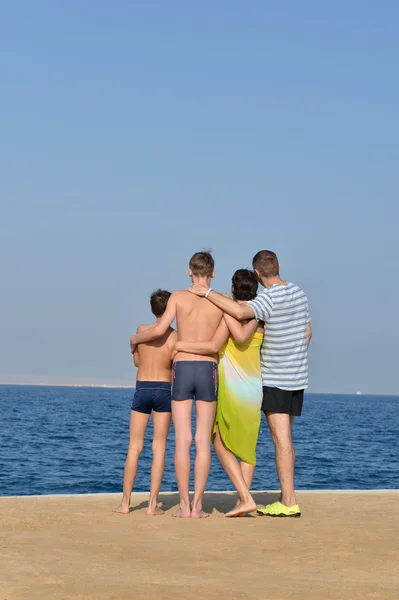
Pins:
x: 234, y: 357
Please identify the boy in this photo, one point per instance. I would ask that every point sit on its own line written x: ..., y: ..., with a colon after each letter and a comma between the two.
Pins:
x: 152, y: 394
x: 194, y: 376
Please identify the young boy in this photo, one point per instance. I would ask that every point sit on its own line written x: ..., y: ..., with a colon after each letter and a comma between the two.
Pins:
x: 194, y: 376
x: 153, y: 387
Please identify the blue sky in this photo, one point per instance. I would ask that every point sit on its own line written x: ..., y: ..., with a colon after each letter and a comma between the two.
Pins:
x: 135, y: 133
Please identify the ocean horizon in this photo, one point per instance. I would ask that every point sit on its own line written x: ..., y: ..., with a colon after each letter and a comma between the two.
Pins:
x: 131, y: 386
x: 72, y: 439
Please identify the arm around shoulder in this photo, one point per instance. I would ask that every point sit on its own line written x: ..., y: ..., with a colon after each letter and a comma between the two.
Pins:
x: 210, y: 347
x: 241, y: 333
x: 134, y: 349
x: 229, y: 306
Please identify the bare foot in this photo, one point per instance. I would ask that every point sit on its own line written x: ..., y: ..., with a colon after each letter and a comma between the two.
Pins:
x: 153, y: 511
x: 242, y: 508
x: 236, y: 504
x: 182, y: 513
x: 199, y: 514
x: 122, y: 509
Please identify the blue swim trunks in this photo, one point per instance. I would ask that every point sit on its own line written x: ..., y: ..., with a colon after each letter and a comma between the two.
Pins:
x: 195, y: 379
x: 152, y: 395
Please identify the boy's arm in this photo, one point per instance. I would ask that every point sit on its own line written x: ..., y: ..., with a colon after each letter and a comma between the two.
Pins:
x: 241, y: 333
x: 226, y: 304
x: 154, y: 332
x: 210, y: 347
x: 173, y: 338
x: 134, y: 350
x: 133, y: 347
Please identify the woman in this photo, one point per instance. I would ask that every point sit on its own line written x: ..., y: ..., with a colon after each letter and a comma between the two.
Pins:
x: 238, y: 413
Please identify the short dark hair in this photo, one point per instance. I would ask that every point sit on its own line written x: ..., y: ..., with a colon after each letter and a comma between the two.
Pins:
x: 159, y: 300
x: 266, y: 262
x: 245, y: 284
x: 202, y: 264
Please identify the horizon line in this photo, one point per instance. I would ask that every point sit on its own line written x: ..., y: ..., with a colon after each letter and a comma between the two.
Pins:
x: 132, y: 385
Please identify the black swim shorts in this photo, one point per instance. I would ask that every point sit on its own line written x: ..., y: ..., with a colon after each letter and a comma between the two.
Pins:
x: 282, y: 401
x: 195, y: 379
x: 152, y: 395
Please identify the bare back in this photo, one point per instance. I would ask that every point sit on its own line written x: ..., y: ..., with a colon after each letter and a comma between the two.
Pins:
x: 155, y: 358
x: 197, y: 321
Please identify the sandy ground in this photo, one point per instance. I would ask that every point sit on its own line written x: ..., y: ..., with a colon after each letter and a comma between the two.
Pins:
x: 345, y: 546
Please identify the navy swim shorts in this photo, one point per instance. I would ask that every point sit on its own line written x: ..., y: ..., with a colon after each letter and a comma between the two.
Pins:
x: 195, y: 379
x: 152, y: 395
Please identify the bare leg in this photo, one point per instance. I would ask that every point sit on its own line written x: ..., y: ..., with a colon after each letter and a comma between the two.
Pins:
x: 204, y: 423
x: 181, y: 414
x: 291, y: 425
x: 281, y: 429
x: 291, y: 422
x: 138, y: 425
x: 161, y: 430
x: 247, y: 471
x: 230, y: 464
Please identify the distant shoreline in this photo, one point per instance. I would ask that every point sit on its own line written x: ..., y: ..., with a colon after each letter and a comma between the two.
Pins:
x: 71, y: 385
x: 130, y: 386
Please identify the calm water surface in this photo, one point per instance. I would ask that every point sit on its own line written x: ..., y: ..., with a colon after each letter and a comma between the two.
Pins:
x: 60, y: 440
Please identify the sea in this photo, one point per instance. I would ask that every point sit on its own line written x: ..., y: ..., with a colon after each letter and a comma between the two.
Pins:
x: 73, y: 440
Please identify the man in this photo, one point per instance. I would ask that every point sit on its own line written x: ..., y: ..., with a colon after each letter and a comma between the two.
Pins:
x: 193, y: 376
x: 284, y: 309
x: 154, y: 361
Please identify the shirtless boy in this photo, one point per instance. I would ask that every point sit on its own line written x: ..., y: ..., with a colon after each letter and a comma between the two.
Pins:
x: 154, y: 361
x: 193, y: 377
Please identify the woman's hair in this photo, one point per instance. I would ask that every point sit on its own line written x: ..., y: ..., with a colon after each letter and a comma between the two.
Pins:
x: 245, y: 284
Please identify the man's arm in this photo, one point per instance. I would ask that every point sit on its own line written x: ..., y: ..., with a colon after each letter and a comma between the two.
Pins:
x: 136, y: 358
x: 260, y: 307
x: 210, y: 347
x: 308, y: 333
x: 156, y: 331
x: 226, y: 304
x: 308, y: 327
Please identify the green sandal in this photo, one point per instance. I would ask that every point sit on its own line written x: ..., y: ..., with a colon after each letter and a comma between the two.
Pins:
x: 280, y: 510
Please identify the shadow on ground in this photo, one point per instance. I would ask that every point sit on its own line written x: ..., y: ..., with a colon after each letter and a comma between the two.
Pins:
x: 213, y: 501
